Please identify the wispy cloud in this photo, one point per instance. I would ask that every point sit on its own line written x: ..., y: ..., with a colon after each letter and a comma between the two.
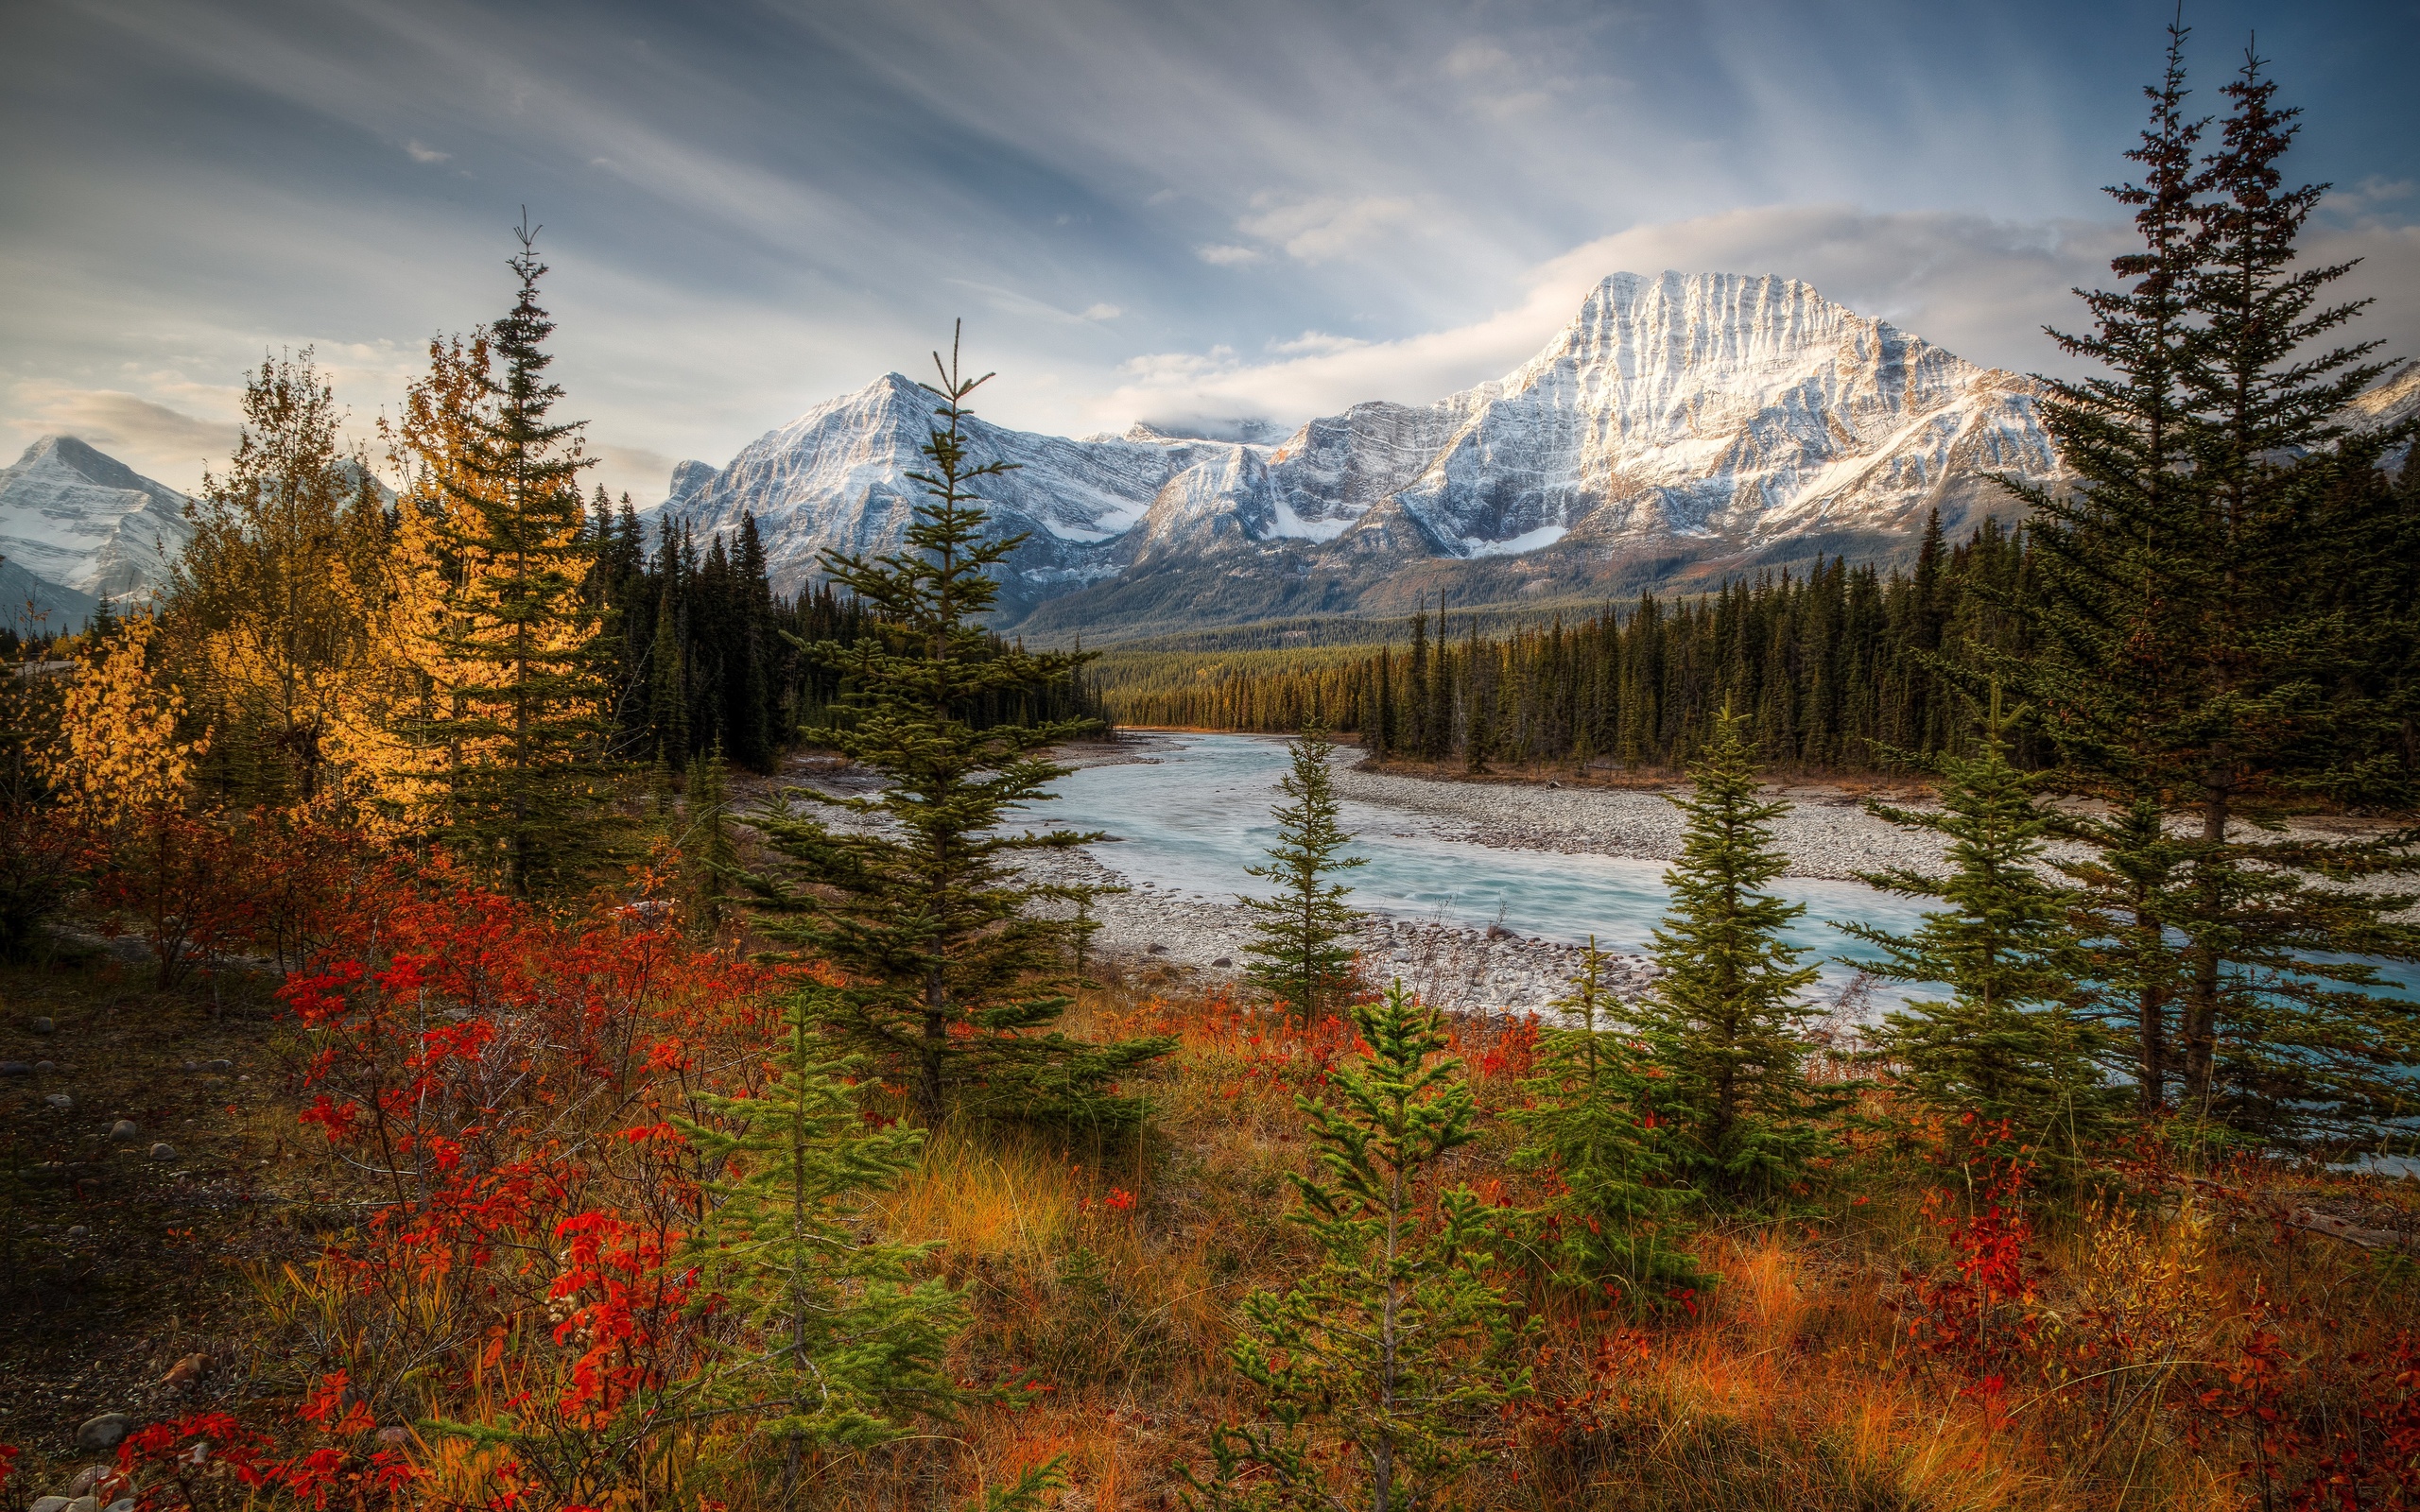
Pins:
x: 147, y: 436
x: 750, y: 212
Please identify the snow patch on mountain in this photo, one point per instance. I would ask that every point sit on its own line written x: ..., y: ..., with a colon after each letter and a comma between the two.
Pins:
x: 79, y: 519
x: 1676, y: 413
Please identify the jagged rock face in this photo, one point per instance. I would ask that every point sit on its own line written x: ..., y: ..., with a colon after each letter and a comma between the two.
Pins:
x: 2391, y: 401
x: 75, y: 518
x: 1712, y: 407
x: 1678, y: 417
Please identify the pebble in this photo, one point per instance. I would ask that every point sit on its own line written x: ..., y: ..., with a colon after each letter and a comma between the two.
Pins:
x: 45, y: 1027
x: 123, y: 1503
x: 124, y: 1131
x: 50, y: 1503
x: 86, y: 1479
x: 103, y: 1432
x: 60, y: 1101
x: 163, y: 1151
x: 45, y: 1068
x: 80, y: 1232
x: 82, y: 1504
x: 15, y: 1068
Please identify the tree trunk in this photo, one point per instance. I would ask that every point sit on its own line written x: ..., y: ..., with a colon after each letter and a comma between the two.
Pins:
x: 2201, y: 1024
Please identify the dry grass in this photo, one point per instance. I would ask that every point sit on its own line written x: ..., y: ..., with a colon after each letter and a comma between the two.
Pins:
x: 1102, y: 1279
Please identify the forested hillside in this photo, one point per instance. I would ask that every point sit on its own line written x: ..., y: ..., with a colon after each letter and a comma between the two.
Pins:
x: 1834, y: 670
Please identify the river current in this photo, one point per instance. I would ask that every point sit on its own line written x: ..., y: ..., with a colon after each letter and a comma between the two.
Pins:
x: 1190, y: 823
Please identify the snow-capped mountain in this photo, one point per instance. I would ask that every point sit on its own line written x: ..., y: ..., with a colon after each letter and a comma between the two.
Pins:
x: 81, y: 520
x: 1679, y: 420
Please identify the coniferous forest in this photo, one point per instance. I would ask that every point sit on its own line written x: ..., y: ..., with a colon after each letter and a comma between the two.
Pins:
x: 1835, y: 671
x: 501, y: 1011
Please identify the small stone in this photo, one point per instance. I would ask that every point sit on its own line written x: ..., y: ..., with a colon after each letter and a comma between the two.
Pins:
x: 124, y: 1131
x: 45, y: 1068
x: 60, y: 1101
x: 15, y: 1068
x: 1223, y: 960
x: 217, y: 1068
x: 78, y: 1231
x: 1157, y: 950
x: 102, y: 1433
x: 393, y: 1436
x: 163, y: 1151
x: 45, y: 1027
x: 50, y: 1503
x: 82, y: 1504
x: 123, y: 1503
x: 86, y: 1478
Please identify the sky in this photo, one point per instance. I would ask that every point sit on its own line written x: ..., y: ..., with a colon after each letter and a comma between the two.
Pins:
x: 1196, y: 215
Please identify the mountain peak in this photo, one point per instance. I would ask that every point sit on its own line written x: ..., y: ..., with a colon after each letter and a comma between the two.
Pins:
x: 1678, y: 419
x: 76, y: 517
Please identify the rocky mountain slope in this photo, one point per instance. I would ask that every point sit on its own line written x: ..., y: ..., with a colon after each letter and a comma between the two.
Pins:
x: 86, y: 526
x: 1682, y: 425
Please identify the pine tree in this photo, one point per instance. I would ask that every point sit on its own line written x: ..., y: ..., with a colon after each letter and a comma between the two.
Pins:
x: 2262, y: 403
x: 841, y: 1347
x: 668, y: 698
x: 2004, y: 1045
x: 707, y: 846
x: 2111, y: 566
x: 1614, y: 1224
x: 1398, y: 1348
x: 955, y: 980
x: 524, y: 714
x: 1725, y: 1020
x: 1301, y: 953
x: 751, y: 715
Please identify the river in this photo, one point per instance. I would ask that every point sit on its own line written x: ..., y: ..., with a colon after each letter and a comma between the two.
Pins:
x: 1190, y: 822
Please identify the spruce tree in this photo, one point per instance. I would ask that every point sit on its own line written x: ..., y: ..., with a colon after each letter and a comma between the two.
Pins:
x: 1613, y: 1223
x: 955, y: 981
x: 1725, y: 1018
x: 2113, y: 554
x: 523, y: 705
x: 2003, y: 1046
x: 2263, y: 423
x: 1378, y: 1370
x: 668, y: 700
x: 708, y: 848
x: 1300, y: 950
x: 2203, y: 657
x: 840, y: 1345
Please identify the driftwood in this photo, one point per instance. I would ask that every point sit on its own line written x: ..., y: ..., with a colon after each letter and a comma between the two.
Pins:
x: 2311, y: 1219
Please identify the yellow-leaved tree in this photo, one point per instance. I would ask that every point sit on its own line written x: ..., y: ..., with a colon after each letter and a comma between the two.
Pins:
x: 266, y: 608
x: 123, y: 753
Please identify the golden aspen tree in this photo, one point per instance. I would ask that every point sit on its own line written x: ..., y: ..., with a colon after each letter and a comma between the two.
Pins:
x: 264, y: 606
x: 121, y: 754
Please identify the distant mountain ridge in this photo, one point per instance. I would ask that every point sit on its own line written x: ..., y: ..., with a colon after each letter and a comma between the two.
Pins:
x: 80, y: 527
x: 1679, y: 424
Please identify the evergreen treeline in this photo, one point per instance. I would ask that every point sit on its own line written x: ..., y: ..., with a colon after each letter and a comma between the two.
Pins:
x: 1835, y: 669
x: 704, y: 654
x: 701, y: 648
